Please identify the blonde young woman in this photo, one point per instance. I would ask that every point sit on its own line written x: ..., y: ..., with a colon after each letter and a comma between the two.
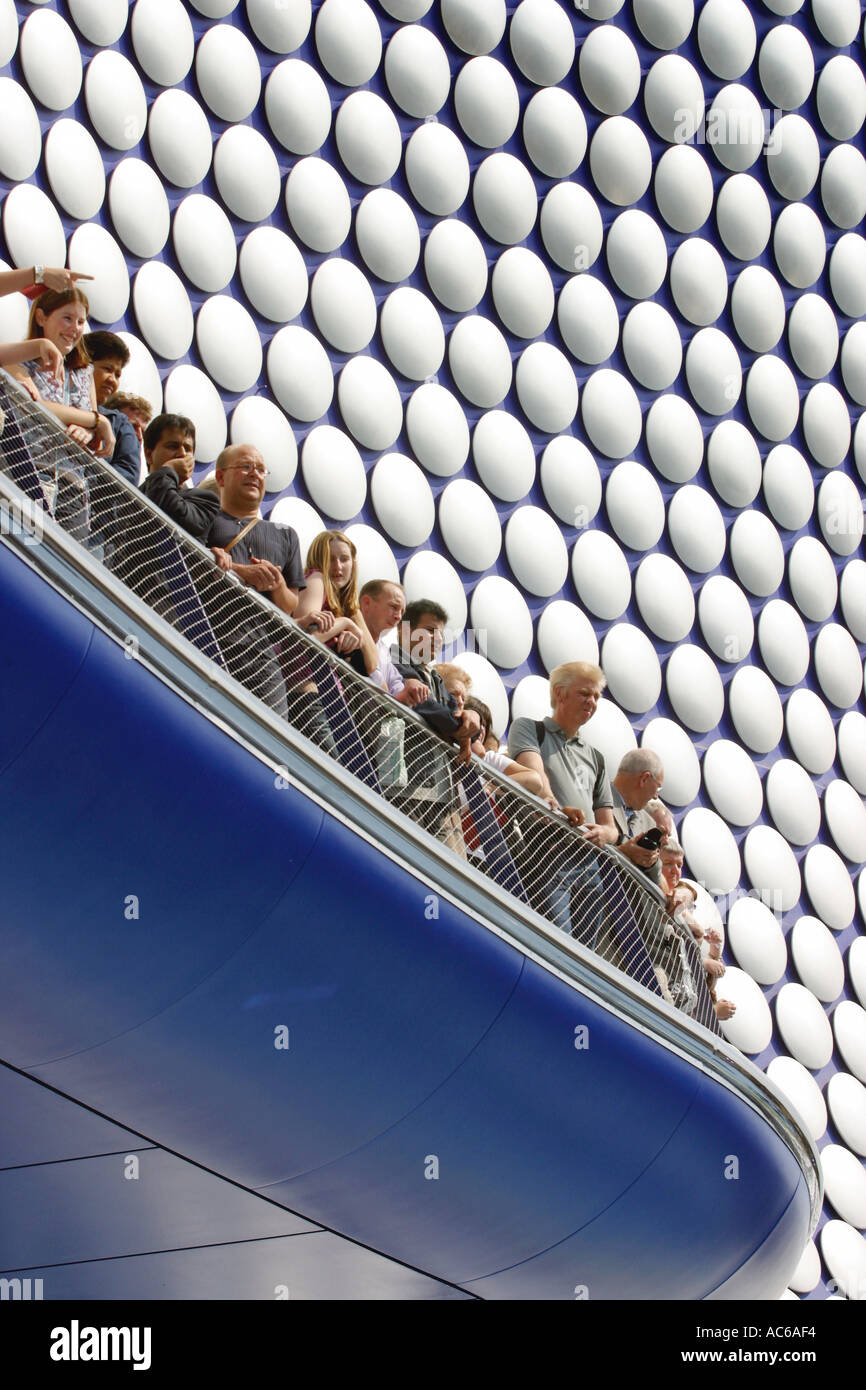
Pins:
x: 328, y: 607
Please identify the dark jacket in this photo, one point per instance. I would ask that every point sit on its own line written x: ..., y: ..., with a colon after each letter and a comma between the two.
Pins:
x: 194, y: 508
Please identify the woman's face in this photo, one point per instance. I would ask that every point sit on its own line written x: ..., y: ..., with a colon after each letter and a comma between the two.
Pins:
x: 340, y: 571
x: 63, y: 326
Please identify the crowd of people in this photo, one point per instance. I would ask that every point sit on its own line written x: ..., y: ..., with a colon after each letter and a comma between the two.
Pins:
x: 76, y: 375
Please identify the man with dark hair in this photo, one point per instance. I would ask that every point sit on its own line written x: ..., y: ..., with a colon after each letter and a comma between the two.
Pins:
x: 169, y: 451
x: 109, y: 355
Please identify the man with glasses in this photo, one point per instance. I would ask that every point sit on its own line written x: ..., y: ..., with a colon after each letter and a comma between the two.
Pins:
x: 638, y: 781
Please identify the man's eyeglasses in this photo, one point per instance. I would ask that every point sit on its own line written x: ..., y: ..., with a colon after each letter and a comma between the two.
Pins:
x: 257, y: 468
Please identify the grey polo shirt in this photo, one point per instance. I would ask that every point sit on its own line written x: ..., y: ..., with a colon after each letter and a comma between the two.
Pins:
x: 574, y: 768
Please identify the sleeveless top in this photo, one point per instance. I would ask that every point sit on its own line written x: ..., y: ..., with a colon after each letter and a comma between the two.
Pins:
x: 73, y: 389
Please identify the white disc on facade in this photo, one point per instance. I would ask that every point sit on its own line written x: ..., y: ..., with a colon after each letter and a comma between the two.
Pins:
x: 810, y: 731
x: 333, y: 472
x: 828, y: 883
x: 793, y: 158
x: 48, y: 51
x: 632, y: 668
x: 417, y: 71
x: 300, y: 373
x: 736, y: 128
x: 437, y: 430
x: 407, y: 11
x: 699, y: 281
x: 786, y: 67
x: 674, y: 99
x: 852, y: 591
x: 758, y: 308
x: 318, y: 204
x: 609, y: 69
x: 601, y: 575
x: 368, y: 138
x: 480, y: 361
x: 20, y: 135
x: 536, y: 551
x: 849, y: 1025
x: 854, y: 363
x: 504, y: 456
x: 772, y: 398
x: 812, y: 577
x: 204, y: 243
x: 531, y: 699
x: 437, y: 170
x: 259, y: 422
x: 852, y: 749
x: 664, y: 23
x: 412, y: 333
x: 846, y: 817
x: 664, y: 597
x: 733, y: 785
x: 818, y: 959
x: 611, y: 413
x: 751, y: 1027
x: 844, y: 1183
x: 840, y: 513
x: 571, y: 227
x: 402, y: 500
x: 588, y: 319
x: 100, y: 21
x: 838, y: 665
x: 282, y: 27
x: 843, y: 186
x: 814, y: 336
x: 783, y: 641
x: 683, y: 187
x: 388, y: 235
x: 713, y: 371
x: 756, y: 940
x: 635, y: 506
x: 846, y: 1098
x: 726, y: 619
x: 570, y: 481
x: 93, y: 250
x: 679, y: 759
x: 757, y: 554
x: 115, y: 99
x: 841, y: 97
x: 652, y: 346
x: 343, y: 305
x: 726, y: 38
x: 163, y: 310
x: 697, y: 529
x: 838, y: 20
x: 500, y: 621
x: 475, y: 26
x: 565, y: 634
x: 848, y: 274
x: 694, y: 689
x: 772, y: 868
x: 348, y: 41
x: 189, y: 392
x: 469, y: 524
x: 522, y: 292
x: 370, y: 403
x: 804, y: 1027
x: 734, y: 463
x: 675, y: 439
x: 375, y: 556
x: 455, y: 264
x: 802, y: 1091
x: 74, y: 168
x: 755, y: 708
x: 541, y: 40
x: 799, y: 245
x: 141, y: 376
x: 486, y: 102
x: 247, y: 174
x: 793, y: 802
x: 504, y: 198
x: 554, y: 132
x: 620, y: 160
x: 227, y: 72
x: 743, y: 216
x: 788, y: 488
x: 303, y: 519
x: 711, y: 851
x: 273, y: 274
x: 546, y: 387
x: 298, y: 106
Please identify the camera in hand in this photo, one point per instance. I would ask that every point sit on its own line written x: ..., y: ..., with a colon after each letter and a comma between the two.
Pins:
x: 652, y: 839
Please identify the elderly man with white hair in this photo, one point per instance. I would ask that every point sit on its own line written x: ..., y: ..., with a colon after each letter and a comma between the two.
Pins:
x: 638, y: 781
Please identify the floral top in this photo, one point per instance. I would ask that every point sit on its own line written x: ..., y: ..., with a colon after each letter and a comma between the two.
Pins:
x: 74, y: 389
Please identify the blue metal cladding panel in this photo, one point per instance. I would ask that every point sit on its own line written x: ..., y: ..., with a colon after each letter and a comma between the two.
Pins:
x: 413, y: 1036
